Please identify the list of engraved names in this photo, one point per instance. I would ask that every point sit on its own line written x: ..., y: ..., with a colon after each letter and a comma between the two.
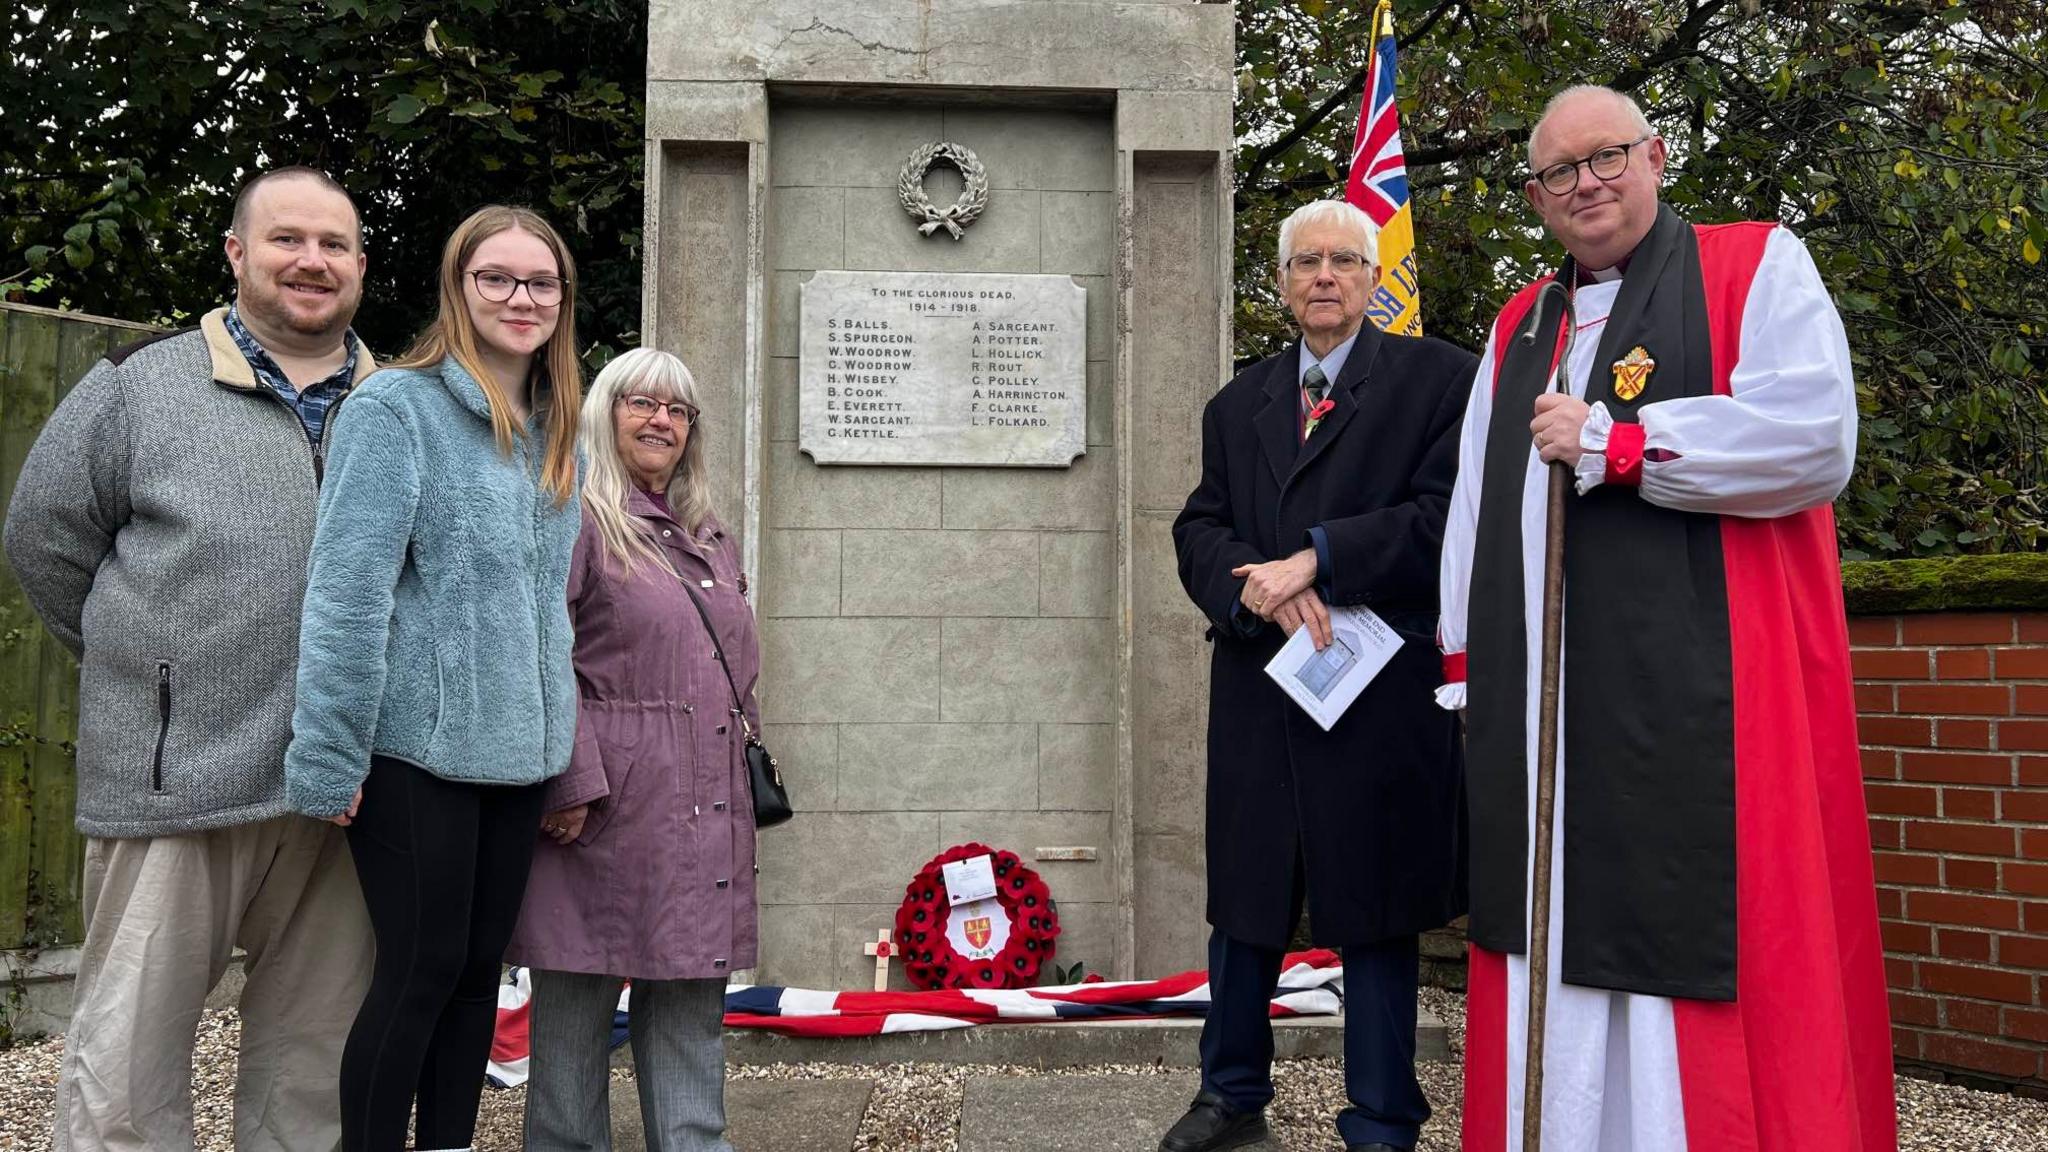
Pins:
x: 943, y: 368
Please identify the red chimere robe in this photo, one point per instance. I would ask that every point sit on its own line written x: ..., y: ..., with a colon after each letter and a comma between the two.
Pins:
x: 1716, y: 971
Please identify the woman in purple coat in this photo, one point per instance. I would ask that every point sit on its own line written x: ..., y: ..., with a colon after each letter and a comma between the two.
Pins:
x: 646, y: 872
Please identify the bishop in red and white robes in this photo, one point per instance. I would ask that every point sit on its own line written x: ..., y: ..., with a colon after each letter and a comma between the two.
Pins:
x: 1716, y: 979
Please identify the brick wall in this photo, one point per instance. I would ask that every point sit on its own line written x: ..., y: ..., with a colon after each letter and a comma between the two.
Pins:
x: 1953, y: 717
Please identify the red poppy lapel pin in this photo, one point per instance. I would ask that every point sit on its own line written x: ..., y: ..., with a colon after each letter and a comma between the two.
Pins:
x: 1315, y: 416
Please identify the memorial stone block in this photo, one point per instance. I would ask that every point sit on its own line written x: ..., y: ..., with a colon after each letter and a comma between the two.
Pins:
x: 954, y: 278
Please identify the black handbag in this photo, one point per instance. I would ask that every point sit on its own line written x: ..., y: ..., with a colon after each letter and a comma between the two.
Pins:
x: 771, y: 799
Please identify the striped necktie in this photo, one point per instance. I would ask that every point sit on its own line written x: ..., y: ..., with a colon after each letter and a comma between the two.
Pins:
x: 1314, y: 386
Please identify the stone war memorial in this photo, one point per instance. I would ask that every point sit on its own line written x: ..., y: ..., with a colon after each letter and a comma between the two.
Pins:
x: 953, y: 277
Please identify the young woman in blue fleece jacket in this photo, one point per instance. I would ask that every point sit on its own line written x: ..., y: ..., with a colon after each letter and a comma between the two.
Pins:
x: 435, y: 689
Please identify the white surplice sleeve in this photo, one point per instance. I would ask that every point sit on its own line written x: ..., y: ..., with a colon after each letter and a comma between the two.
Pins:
x: 1461, y: 525
x: 1784, y: 438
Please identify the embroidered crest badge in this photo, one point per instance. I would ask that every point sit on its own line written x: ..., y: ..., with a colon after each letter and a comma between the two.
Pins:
x: 1632, y: 374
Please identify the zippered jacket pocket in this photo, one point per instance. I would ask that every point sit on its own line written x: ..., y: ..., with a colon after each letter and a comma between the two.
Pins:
x: 163, y: 724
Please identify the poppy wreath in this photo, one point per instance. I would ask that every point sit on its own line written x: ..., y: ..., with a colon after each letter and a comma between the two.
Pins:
x: 930, y: 960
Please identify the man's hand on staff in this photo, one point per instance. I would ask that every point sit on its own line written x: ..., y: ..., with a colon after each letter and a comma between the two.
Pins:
x: 1267, y: 586
x: 1559, y: 418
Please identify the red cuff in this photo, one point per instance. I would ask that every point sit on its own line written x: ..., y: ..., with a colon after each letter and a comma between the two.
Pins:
x: 1625, y: 454
x: 1454, y: 667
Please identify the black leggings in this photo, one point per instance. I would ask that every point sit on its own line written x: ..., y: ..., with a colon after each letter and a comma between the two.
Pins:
x: 443, y: 867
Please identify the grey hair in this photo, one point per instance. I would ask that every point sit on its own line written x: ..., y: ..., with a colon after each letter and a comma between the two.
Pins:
x: 1627, y: 102
x: 607, y: 486
x: 1328, y: 212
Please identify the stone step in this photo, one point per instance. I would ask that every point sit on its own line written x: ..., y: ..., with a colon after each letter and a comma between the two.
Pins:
x: 1075, y: 1113
x: 1171, y: 1042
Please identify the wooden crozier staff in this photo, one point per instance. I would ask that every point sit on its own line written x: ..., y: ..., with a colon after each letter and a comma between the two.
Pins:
x: 1546, y: 726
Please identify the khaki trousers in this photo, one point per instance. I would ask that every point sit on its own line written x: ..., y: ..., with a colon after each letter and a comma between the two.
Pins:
x: 163, y: 916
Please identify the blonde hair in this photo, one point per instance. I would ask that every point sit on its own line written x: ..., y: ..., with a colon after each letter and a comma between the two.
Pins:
x: 607, y: 487
x: 453, y: 334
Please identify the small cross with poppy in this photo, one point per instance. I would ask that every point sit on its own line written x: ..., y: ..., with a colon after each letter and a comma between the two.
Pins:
x: 882, y: 949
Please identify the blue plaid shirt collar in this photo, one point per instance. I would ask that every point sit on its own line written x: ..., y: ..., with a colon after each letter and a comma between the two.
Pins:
x: 312, y: 403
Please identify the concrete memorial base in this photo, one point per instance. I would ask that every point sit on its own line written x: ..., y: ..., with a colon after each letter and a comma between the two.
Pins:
x: 1076, y: 1113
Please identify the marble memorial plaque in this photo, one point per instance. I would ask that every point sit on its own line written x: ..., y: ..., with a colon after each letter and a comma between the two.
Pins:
x: 943, y: 368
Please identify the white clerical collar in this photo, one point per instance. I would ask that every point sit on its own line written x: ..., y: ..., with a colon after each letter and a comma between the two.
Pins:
x: 1602, y: 275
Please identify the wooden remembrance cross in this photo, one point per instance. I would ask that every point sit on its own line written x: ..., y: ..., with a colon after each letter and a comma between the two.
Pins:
x: 882, y: 949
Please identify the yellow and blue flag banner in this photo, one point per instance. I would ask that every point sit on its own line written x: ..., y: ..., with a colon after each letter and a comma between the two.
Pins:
x: 1379, y: 187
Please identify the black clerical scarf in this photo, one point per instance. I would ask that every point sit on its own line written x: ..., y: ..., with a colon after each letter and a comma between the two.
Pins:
x: 1648, y: 819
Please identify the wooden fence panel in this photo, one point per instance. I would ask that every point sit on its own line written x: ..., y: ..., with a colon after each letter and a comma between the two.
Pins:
x: 42, y: 354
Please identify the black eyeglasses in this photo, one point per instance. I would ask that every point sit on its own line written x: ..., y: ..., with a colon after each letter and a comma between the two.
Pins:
x: 498, y: 287
x: 1606, y: 164
x: 645, y: 407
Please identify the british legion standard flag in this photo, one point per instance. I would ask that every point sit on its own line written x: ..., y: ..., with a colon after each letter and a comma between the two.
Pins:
x: 1379, y: 187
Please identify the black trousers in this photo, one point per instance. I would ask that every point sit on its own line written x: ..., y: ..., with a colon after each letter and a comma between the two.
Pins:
x: 1387, y: 1104
x: 443, y: 867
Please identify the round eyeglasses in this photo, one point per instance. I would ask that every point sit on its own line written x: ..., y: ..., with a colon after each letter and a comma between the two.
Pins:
x: 644, y: 407
x: 498, y: 287
x: 1607, y: 164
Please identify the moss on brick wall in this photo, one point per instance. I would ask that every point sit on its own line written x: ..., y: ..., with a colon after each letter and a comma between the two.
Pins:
x: 2010, y: 582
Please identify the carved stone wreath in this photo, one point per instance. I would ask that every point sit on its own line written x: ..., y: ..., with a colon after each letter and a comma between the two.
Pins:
x: 955, y: 217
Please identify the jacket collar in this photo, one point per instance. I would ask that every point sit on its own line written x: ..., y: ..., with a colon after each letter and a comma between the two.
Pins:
x: 641, y: 502
x: 466, y: 390
x: 1279, y: 421
x: 470, y: 395
x: 231, y: 368
x: 651, y: 507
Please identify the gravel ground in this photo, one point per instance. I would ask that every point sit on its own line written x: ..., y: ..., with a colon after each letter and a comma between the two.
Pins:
x: 916, y: 1107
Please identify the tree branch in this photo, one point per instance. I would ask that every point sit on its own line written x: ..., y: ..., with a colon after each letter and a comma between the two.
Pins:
x: 1335, y: 100
x: 61, y: 177
x: 1420, y: 158
x: 1684, y: 42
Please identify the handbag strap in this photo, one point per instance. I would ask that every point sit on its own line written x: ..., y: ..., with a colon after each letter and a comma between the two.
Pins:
x: 739, y: 707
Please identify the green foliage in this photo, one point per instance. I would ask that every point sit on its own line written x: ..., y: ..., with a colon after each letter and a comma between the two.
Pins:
x: 130, y: 125
x: 1906, y: 141
x: 2005, y: 582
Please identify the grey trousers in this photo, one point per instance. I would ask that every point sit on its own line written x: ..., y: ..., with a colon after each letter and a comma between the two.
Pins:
x: 163, y: 916
x: 678, y: 1059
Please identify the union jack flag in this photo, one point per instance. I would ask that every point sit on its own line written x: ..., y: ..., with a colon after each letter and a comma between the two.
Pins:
x: 1311, y: 984
x: 1378, y: 185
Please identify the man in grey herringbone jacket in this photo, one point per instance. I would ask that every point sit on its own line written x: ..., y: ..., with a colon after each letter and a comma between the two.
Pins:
x: 160, y: 528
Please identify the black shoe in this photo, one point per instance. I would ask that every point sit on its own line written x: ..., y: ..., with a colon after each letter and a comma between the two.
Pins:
x: 1210, y: 1126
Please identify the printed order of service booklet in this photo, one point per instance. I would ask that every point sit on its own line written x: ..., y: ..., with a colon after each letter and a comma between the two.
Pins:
x: 1325, y: 683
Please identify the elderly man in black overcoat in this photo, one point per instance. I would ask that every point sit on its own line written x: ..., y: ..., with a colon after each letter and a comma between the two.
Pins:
x: 1326, y: 474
